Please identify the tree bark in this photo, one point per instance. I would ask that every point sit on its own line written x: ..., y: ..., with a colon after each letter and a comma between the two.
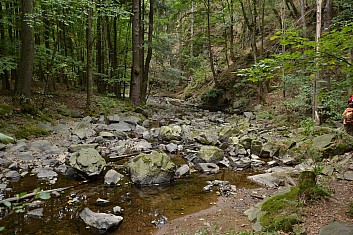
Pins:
x: 89, y: 82
x: 315, y: 103
x: 136, y: 66
x: 214, y: 75
x: 327, y: 16
x: 302, y: 16
x: 149, y: 54
x: 24, y: 80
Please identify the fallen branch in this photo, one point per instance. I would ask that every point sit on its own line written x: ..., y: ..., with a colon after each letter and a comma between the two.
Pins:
x: 29, y: 195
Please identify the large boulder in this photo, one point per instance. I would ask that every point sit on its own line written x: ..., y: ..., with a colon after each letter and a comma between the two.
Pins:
x: 152, y: 168
x: 88, y: 161
x: 172, y: 132
x: 210, y: 154
x: 101, y: 221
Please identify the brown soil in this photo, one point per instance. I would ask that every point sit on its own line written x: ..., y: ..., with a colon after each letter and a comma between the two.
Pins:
x: 227, y: 215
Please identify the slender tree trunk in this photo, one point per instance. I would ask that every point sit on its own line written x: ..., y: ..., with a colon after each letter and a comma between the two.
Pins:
x: 149, y: 54
x: 231, y: 29
x: 136, y: 61
x: 89, y: 82
x: 214, y: 75
x: 327, y: 16
x: 315, y: 112
x: 99, y: 56
x: 24, y: 80
x: 302, y: 16
x: 192, y: 29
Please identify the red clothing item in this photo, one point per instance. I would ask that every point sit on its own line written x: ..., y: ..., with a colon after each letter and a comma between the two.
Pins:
x: 345, y: 113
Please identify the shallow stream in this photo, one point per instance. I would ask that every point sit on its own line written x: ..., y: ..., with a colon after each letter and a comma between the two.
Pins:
x: 145, y: 209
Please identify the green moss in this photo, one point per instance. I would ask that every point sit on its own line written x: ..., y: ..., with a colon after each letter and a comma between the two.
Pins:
x: 281, y: 211
x: 350, y: 209
x: 30, y: 131
x: 5, y: 110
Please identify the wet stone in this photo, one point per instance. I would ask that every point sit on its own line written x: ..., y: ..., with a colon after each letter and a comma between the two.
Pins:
x: 12, y: 175
x: 36, y: 213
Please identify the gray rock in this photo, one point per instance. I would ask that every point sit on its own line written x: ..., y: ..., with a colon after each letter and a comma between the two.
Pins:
x: 210, y: 154
x: 244, y: 162
x: 210, y: 168
x: 12, y: 175
x: 171, y: 148
x: 121, y: 126
x: 348, y: 175
x: 84, y: 130
x: 100, y: 220
x: 102, y: 202
x: 77, y: 147
x: 117, y: 210
x: 322, y: 141
x: 13, y: 166
x: 182, y: 170
x: 61, y: 129
x: 153, y: 168
x: 47, y: 174
x: 172, y: 132
x: 36, y: 213
x: 112, y: 177
x: 88, y: 161
x: 142, y: 145
x: 107, y: 135
x: 39, y: 145
x: 337, y: 228
x: 266, y: 179
x: 113, y: 119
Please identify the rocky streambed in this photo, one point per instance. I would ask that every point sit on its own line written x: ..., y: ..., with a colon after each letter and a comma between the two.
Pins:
x: 130, y: 173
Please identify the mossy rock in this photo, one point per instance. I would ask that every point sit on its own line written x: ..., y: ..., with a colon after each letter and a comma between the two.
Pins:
x: 281, y: 211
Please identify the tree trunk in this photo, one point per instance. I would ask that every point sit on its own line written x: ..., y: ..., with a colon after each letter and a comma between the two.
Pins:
x: 302, y: 16
x: 315, y: 103
x: 89, y: 82
x: 149, y: 54
x: 214, y: 75
x: 99, y: 56
x: 192, y: 29
x: 136, y: 66
x: 231, y: 29
x: 327, y: 15
x: 25, y: 71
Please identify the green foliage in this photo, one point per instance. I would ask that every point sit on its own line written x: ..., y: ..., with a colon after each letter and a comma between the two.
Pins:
x: 2, y: 228
x: 7, y: 63
x: 308, y: 125
x: 6, y: 110
x: 266, y: 69
x: 43, y: 195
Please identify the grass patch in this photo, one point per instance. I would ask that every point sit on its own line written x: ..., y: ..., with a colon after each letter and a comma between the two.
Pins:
x: 30, y: 131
